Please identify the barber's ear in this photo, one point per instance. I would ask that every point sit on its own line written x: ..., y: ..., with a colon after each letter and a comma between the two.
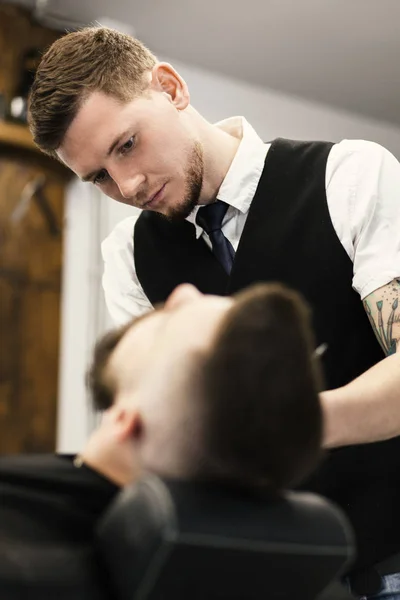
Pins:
x: 165, y: 79
x: 126, y: 422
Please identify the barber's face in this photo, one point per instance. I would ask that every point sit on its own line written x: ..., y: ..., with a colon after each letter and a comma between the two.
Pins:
x: 141, y: 152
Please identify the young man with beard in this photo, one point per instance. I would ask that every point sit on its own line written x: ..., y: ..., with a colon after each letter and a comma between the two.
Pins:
x: 320, y: 217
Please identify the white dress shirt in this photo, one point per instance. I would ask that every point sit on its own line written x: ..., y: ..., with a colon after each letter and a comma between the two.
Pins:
x: 363, y: 194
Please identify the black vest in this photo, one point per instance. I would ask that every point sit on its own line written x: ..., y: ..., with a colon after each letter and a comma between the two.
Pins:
x: 289, y: 237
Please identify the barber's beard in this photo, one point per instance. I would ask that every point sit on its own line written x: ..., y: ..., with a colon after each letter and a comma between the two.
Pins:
x: 193, y: 185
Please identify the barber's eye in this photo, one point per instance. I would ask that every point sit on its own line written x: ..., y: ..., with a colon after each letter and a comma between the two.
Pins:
x: 101, y: 177
x: 128, y: 145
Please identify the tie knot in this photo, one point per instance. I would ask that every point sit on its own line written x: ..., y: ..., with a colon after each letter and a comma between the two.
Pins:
x: 210, y: 217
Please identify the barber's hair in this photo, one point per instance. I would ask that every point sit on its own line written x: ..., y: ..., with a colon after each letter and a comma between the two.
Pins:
x: 77, y: 64
x: 261, y: 383
x: 100, y: 386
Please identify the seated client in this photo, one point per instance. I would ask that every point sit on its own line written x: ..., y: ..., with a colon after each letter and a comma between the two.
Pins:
x: 202, y: 388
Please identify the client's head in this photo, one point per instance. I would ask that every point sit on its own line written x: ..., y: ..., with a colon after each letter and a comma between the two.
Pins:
x: 210, y: 387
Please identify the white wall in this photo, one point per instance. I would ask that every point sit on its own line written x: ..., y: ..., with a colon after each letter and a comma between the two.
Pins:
x: 90, y: 216
x: 276, y: 115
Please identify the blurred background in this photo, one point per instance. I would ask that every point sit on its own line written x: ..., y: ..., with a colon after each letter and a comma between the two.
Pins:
x: 305, y: 69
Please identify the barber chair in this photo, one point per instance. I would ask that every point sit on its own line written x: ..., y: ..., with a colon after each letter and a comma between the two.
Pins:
x: 165, y: 540
x: 47, y: 571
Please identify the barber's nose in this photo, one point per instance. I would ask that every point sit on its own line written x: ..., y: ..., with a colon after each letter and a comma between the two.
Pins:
x: 183, y: 294
x: 129, y: 185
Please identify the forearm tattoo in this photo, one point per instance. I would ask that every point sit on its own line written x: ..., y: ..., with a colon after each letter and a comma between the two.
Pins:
x: 384, y: 316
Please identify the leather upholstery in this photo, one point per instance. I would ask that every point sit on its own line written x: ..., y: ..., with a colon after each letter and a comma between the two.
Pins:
x: 164, y: 540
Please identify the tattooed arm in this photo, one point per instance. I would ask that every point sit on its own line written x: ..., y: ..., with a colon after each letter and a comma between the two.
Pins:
x: 368, y: 408
x: 383, y: 311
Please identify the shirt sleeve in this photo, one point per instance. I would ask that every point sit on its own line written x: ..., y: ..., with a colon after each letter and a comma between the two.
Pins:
x: 124, y: 296
x: 363, y: 192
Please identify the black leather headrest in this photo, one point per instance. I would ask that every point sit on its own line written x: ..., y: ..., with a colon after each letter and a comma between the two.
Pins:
x: 164, y: 540
x: 39, y: 571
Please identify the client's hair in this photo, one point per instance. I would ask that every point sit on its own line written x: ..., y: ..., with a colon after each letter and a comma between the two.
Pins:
x: 97, y: 380
x: 261, y: 383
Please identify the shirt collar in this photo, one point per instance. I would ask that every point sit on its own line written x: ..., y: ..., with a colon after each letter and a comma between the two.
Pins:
x: 241, y: 181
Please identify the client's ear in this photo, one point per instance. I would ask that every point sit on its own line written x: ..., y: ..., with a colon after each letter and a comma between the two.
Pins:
x: 126, y: 422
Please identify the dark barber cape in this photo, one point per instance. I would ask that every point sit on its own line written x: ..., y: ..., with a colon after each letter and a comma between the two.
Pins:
x: 48, y: 511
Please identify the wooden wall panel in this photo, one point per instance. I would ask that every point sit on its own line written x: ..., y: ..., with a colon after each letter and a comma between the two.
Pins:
x: 30, y: 292
x: 18, y: 33
x: 30, y: 261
